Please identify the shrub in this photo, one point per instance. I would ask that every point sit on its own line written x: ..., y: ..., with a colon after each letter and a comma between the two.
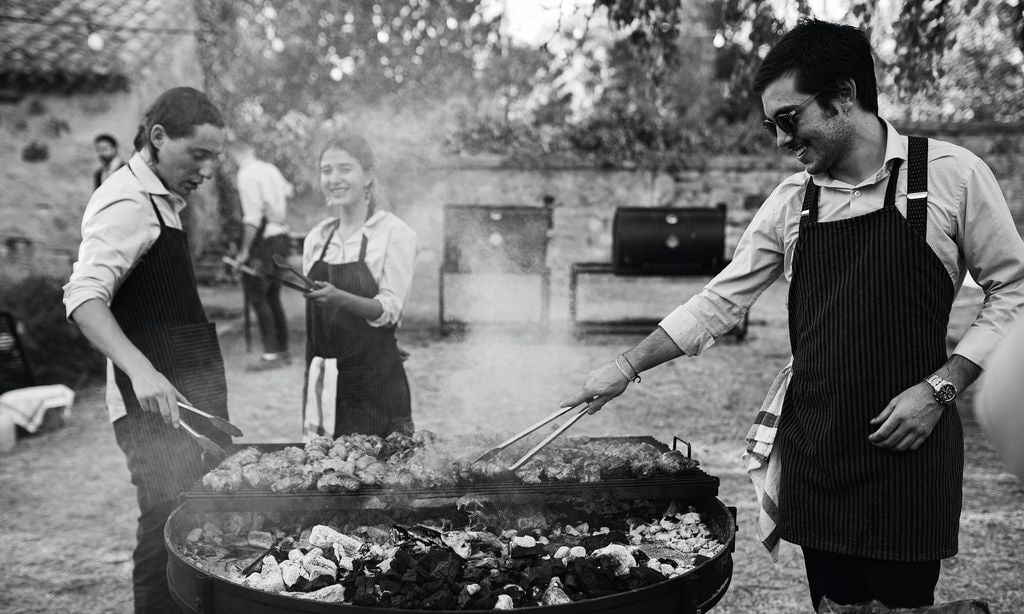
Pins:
x: 56, y: 350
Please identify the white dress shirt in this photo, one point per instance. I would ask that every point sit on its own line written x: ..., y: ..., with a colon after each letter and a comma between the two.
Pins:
x: 263, y: 191
x: 118, y: 228
x: 969, y: 229
x: 390, y: 255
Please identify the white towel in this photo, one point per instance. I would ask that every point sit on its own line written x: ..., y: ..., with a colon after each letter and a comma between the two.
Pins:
x: 28, y: 406
x: 763, y: 463
x: 318, y: 414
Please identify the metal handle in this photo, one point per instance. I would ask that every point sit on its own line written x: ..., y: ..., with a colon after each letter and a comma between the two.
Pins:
x: 689, y: 449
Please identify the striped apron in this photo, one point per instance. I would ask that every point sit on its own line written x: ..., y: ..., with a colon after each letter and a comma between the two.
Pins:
x: 869, y: 306
x: 355, y: 382
x: 158, y: 308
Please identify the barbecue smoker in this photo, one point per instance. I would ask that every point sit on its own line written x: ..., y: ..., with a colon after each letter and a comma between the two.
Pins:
x: 695, y: 592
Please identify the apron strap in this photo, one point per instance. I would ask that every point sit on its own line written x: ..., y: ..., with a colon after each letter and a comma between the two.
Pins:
x: 809, y: 212
x: 917, y: 184
x: 362, y: 248
x: 890, y: 188
x: 327, y: 241
x: 156, y: 209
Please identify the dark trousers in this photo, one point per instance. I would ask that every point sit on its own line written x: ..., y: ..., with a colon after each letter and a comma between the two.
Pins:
x: 849, y: 579
x: 265, y: 296
x: 149, y: 577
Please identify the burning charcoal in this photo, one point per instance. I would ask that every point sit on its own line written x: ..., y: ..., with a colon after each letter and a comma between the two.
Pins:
x: 577, y: 552
x: 269, y: 577
x: 338, y: 482
x: 600, y: 540
x: 517, y: 594
x: 674, y: 462
x: 316, y: 564
x: 621, y: 558
x: 291, y: 571
x: 642, y: 576
x: 334, y: 593
x: 504, y: 602
x: 593, y: 579
x: 561, y: 553
x: 518, y: 552
x: 260, y: 539
x: 194, y: 535
x: 466, y: 594
x: 537, y: 521
x: 555, y: 594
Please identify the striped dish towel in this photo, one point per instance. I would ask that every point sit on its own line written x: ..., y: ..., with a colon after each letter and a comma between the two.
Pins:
x: 763, y: 467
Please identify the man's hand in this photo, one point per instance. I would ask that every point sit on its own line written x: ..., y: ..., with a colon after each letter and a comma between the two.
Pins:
x: 907, y: 420
x: 156, y: 394
x: 242, y: 256
x: 602, y: 385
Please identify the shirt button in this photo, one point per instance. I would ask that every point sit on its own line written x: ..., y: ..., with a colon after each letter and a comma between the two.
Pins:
x: 856, y: 193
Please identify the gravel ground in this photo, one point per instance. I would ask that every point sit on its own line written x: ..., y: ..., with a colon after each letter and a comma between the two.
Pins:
x: 67, y: 511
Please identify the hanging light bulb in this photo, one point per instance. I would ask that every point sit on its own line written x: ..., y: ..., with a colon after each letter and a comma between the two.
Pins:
x: 95, y: 41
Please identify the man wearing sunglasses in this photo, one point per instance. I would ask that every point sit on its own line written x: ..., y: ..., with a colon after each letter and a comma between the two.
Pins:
x: 875, y: 236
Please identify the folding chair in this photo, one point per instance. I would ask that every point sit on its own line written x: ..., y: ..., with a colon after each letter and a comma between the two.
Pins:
x: 15, y: 371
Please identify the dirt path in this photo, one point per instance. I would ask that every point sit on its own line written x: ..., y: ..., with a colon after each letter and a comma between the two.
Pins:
x: 67, y: 511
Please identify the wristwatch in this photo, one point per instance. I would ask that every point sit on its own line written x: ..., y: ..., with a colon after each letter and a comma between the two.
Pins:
x: 945, y: 390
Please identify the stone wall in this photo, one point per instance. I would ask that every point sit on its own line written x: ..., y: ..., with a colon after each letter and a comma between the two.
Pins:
x: 43, y: 196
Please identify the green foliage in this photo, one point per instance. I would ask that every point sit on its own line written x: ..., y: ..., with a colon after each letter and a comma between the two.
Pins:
x: 57, y: 352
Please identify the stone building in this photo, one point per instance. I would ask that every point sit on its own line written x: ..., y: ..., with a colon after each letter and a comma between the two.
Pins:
x: 69, y: 70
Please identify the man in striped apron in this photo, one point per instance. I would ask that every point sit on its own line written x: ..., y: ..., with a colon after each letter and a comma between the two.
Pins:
x: 875, y: 235
x: 133, y: 294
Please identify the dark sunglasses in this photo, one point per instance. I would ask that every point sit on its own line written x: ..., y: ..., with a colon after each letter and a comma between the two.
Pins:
x: 786, y: 121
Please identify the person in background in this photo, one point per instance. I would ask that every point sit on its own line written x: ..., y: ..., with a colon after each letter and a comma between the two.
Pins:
x: 264, y: 193
x: 999, y: 406
x: 106, y: 151
x: 133, y: 294
x: 361, y: 260
x: 875, y: 236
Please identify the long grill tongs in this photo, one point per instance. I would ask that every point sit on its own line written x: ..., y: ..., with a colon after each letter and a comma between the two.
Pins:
x: 492, y: 452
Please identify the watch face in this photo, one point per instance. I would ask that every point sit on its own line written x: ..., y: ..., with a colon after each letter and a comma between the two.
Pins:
x: 945, y: 393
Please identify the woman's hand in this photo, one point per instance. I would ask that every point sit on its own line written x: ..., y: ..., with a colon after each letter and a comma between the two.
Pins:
x: 602, y: 385
x: 326, y: 295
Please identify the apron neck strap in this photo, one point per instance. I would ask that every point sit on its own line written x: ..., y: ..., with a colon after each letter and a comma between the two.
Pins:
x: 156, y: 209
x: 334, y: 229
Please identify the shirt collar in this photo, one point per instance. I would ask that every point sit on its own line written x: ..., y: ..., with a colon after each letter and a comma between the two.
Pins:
x: 150, y: 182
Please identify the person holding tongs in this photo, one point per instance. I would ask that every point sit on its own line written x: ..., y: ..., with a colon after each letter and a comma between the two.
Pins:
x: 360, y: 261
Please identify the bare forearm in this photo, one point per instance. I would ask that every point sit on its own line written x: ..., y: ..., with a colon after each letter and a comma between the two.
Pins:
x: 959, y: 370
x: 366, y: 308
x: 655, y: 349
x: 98, y: 325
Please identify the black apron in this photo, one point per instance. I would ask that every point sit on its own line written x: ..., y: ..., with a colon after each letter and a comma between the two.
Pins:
x: 158, y: 308
x: 372, y: 393
x: 868, y: 310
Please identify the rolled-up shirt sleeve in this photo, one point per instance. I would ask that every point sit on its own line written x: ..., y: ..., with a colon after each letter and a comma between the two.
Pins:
x: 993, y: 252
x: 396, y: 276
x: 114, y: 236
x: 721, y: 304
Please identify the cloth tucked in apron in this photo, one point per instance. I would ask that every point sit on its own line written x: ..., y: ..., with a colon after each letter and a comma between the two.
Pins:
x: 158, y: 308
x: 355, y: 382
x: 868, y: 309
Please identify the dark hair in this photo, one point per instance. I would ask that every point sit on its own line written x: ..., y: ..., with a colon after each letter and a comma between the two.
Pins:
x: 820, y: 54
x: 357, y: 147
x: 179, y: 110
x: 105, y: 137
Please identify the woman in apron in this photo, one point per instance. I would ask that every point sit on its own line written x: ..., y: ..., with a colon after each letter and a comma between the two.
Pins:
x: 361, y: 262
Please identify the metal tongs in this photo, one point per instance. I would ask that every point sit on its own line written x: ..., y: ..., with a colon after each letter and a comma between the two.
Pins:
x: 205, y: 442
x: 281, y: 263
x: 491, y: 453
x: 218, y: 423
x: 248, y: 270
